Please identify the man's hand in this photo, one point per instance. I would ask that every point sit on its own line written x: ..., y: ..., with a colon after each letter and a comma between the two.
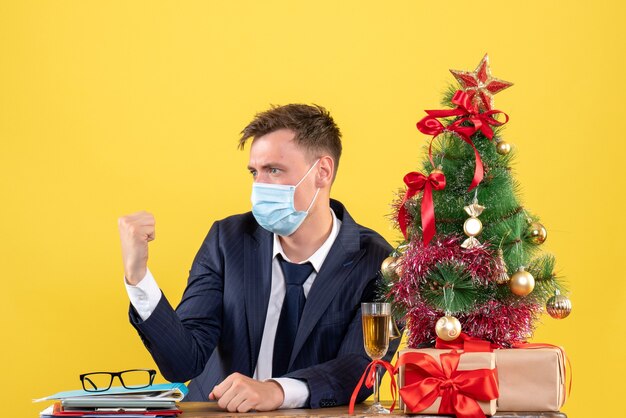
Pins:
x: 239, y: 393
x: 136, y: 230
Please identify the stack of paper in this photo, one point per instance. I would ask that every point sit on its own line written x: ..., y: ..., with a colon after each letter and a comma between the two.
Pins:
x: 154, y: 401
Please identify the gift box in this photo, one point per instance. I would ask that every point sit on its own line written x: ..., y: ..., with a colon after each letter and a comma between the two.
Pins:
x: 531, y: 379
x: 434, y: 381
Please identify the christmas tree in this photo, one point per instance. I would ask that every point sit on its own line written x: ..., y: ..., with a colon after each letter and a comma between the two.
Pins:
x: 471, y: 260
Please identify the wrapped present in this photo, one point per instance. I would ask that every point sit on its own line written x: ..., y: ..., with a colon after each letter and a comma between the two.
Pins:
x: 531, y: 379
x: 532, y: 376
x: 447, y: 382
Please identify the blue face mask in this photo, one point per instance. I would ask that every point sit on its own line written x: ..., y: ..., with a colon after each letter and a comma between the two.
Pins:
x: 273, y: 206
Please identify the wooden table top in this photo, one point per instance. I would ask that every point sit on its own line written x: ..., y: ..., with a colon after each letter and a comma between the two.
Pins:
x: 210, y: 409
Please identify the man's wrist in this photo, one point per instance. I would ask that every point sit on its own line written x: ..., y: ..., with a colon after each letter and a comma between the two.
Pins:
x: 295, y: 392
x: 279, y: 393
x: 145, y: 296
x: 134, y: 277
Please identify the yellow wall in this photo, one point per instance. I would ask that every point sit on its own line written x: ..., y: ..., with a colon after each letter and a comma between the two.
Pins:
x: 115, y: 106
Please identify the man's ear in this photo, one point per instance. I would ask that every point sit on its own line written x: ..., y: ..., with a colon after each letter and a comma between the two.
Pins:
x: 325, y: 172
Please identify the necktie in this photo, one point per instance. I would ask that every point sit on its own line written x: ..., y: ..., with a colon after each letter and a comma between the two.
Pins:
x: 293, y: 305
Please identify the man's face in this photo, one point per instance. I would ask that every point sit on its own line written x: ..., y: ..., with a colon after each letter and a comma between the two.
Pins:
x: 276, y: 159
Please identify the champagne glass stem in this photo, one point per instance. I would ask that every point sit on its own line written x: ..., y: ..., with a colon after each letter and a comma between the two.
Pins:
x: 376, y: 385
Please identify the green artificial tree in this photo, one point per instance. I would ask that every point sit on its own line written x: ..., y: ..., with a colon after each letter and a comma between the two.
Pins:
x: 471, y: 260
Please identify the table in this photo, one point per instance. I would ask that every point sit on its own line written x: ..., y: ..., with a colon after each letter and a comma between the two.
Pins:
x: 210, y: 409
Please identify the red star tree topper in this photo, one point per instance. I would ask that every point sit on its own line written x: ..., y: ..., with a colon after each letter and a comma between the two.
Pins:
x: 480, y: 84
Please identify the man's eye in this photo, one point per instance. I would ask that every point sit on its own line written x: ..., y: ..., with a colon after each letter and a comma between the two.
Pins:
x: 274, y: 170
x: 253, y: 172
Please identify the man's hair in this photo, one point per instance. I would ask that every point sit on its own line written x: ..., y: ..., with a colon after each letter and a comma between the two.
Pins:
x: 314, y: 128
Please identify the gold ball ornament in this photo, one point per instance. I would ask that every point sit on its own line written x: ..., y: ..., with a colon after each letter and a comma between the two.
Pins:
x: 399, y: 268
x: 522, y: 282
x: 448, y: 328
x: 388, y: 267
x: 559, y: 306
x: 536, y: 233
x: 503, y: 147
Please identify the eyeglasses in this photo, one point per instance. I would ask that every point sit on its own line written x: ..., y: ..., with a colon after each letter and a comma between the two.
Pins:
x: 130, y: 379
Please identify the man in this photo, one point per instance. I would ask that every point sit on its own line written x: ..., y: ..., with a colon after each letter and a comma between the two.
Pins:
x: 271, y: 314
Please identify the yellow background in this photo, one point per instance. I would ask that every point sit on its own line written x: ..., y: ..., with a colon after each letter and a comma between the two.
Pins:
x: 114, y: 106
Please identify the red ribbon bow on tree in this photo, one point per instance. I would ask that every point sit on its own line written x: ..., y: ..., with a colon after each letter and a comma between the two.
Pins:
x: 484, y: 121
x: 416, y: 182
x: 430, y: 125
x: 459, y: 390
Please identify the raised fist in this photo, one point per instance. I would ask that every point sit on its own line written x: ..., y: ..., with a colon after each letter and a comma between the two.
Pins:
x: 136, y: 231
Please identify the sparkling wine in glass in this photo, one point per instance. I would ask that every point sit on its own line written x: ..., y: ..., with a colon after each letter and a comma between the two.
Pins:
x: 376, y: 318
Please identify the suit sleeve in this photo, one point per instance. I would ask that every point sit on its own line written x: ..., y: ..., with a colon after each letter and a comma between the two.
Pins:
x: 332, y: 383
x: 182, y: 340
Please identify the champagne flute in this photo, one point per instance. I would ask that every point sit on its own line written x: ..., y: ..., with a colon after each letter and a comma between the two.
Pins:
x: 376, y: 318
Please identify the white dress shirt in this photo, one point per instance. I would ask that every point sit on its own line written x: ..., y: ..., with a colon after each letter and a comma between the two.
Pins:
x: 146, y: 295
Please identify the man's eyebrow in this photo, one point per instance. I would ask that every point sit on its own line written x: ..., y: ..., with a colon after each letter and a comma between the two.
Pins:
x: 267, y: 165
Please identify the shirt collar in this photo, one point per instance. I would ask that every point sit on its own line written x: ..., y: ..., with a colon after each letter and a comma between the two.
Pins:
x: 318, y: 257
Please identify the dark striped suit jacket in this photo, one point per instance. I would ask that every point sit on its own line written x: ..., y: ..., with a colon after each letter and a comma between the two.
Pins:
x: 216, y: 329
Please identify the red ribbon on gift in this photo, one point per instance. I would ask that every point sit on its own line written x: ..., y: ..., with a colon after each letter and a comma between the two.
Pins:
x: 459, y: 390
x: 416, y: 182
x: 430, y: 125
x: 369, y: 376
x: 466, y: 343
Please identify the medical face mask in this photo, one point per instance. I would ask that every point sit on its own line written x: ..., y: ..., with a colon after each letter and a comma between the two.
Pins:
x: 273, y: 206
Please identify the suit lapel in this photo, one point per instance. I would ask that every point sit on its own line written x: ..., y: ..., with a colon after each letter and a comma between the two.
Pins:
x: 257, y: 281
x: 342, y: 258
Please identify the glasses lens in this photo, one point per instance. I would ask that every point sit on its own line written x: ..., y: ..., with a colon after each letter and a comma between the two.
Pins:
x: 94, y: 382
x: 135, y: 379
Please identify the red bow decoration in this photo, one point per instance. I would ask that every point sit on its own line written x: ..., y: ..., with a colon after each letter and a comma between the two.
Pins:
x: 416, y: 182
x: 430, y: 125
x: 484, y: 121
x: 459, y: 390
x: 369, y: 376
